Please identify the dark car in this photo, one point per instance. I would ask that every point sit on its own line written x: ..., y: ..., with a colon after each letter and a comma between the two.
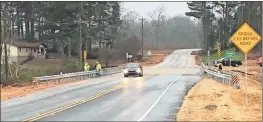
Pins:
x: 226, y: 62
x: 133, y: 69
x: 217, y: 61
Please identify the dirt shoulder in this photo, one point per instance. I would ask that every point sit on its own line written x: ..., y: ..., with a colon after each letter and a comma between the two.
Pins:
x: 214, y: 101
x: 156, y: 57
x: 21, y: 90
x: 153, y: 60
x: 254, y: 70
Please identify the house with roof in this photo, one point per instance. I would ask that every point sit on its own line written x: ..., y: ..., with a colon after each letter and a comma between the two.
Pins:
x: 21, y: 51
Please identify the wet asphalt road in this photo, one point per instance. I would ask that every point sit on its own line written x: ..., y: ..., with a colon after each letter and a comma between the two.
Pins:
x: 156, y: 96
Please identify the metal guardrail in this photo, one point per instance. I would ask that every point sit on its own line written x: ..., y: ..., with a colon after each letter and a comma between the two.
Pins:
x: 75, y: 76
x: 225, y: 78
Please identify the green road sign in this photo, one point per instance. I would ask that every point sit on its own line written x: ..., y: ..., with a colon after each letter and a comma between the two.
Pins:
x: 230, y: 53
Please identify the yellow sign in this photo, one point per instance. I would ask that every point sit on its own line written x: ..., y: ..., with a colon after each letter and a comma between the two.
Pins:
x: 85, y: 54
x: 245, y: 38
x: 218, y: 50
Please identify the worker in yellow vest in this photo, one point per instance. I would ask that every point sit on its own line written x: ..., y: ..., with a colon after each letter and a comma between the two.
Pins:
x: 220, y: 67
x: 86, y: 66
x: 98, y: 67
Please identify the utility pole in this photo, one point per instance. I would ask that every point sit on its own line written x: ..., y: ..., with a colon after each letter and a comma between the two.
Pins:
x: 204, y: 26
x: 1, y: 39
x: 80, y: 36
x: 142, y: 38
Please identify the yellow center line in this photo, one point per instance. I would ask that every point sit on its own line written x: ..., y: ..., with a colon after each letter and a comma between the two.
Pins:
x: 39, y: 116
x: 53, y: 112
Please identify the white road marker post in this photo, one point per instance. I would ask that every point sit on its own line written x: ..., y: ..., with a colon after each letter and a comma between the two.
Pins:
x: 127, y: 57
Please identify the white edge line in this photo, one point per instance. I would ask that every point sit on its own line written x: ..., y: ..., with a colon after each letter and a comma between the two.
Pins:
x: 43, y: 96
x: 48, y: 94
x: 157, y: 100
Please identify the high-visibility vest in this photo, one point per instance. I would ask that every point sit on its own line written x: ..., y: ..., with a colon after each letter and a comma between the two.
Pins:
x: 98, y: 67
x: 86, y: 67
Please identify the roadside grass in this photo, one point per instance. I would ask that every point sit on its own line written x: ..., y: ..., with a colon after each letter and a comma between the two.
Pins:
x: 23, y: 74
x: 238, y: 56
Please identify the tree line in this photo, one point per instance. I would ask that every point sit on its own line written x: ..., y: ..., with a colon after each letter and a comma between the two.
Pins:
x: 161, y: 31
x: 220, y: 19
x: 62, y: 22
x: 68, y: 25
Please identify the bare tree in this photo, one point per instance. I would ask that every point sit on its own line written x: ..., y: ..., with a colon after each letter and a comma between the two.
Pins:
x: 131, y: 45
x: 158, y: 20
x: 5, y: 34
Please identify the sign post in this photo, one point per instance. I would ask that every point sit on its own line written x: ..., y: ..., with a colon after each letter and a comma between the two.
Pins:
x: 85, y: 56
x: 130, y: 57
x: 218, y: 50
x: 245, y: 38
x: 230, y: 54
x: 127, y: 57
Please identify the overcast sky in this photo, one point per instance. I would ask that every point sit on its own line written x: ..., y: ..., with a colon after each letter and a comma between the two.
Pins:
x: 143, y: 8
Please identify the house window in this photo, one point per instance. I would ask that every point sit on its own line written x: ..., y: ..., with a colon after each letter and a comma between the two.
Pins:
x: 31, y: 49
x: 35, y: 50
x: 26, y: 49
x: 20, y: 49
